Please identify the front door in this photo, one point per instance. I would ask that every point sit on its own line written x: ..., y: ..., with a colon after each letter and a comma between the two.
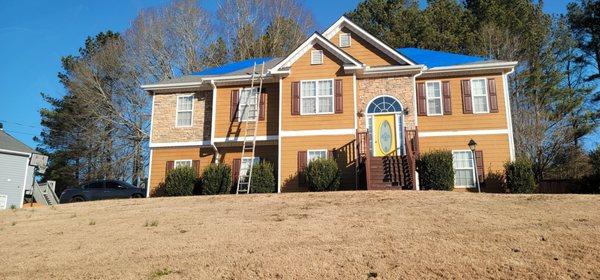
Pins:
x: 384, y: 136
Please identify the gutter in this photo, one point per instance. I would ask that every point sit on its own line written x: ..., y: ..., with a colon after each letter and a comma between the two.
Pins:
x: 480, y: 66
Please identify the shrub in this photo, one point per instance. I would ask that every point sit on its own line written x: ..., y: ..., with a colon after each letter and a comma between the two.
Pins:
x: 322, y: 175
x: 180, y: 181
x: 216, y: 179
x: 263, y: 178
x: 519, y: 176
x: 436, y: 171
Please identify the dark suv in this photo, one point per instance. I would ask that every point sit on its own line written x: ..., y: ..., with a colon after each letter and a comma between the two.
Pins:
x: 102, y: 189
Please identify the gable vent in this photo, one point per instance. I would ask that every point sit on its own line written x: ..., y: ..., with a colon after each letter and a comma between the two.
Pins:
x: 316, y: 57
x: 345, y: 40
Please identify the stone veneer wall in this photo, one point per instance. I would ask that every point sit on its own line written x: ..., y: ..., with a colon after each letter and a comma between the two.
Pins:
x: 399, y: 87
x: 163, y: 122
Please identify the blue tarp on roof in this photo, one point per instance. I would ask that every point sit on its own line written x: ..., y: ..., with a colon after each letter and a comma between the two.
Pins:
x: 437, y: 58
x: 232, y: 67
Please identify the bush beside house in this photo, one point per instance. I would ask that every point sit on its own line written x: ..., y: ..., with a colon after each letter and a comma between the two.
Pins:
x: 519, y: 176
x: 180, y: 181
x: 322, y: 175
x: 216, y: 179
x: 263, y: 178
x: 436, y: 171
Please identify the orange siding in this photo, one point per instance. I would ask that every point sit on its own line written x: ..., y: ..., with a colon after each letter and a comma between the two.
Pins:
x: 303, y: 70
x: 363, y: 50
x: 226, y: 128
x: 160, y: 156
x: 495, y: 147
x: 460, y: 121
x: 289, y: 158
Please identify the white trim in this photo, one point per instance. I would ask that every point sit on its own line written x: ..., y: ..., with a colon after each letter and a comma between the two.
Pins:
x: 15, y: 152
x: 182, y: 160
x: 25, y: 182
x: 279, y: 137
x: 349, y: 39
x: 354, y: 100
x: 487, y: 96
x: 177, y: 111
x: 473, y: 66
x: 148, y: 185
x: 312, y: 57
x: 439, y: 82
x: 370, y: 38
x: 298, y: 52
x: 511, y: 139
x: 315, y: 150
x: 462, y: 132
x: 213, y: 112
x: 179, y: 144
x: 151, y: 119
x: 239, y: 138
x: 318, y: 132
x: 473, y: 170
x: 316, y: 97
x: 173, y: 85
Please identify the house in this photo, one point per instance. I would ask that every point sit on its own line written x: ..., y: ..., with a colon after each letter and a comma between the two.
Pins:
x: 343, y: 94
x: 16, y: 173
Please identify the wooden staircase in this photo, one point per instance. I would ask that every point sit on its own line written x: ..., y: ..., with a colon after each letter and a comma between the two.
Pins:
x: 387, y: 172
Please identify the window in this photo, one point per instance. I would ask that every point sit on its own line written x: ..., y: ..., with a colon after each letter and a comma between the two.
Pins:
x: 248, y: 105
x: 316, y: 57
x: 113, y: 185
x: 315, y: 154
x: 464, y: 172
x: 185, y: 107
x: 316, y: 97
x: 183, y: 162
x: 245, y: 164
x: 480, y: 96
x: 345, y: 40
x: 95, y: 185
x: 433, y: 95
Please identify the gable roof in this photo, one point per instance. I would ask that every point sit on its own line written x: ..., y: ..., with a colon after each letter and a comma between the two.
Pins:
x: 349, y: 61
x: 433, y: 59
x: 9, y: 143
x: 345, y: 22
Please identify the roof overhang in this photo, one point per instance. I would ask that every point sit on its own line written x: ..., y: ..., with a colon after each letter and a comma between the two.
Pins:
x: 471, y: 69
x: 205, y: 83
x: 283, y: 67
x: 345, y: 22
x: 396, y: 70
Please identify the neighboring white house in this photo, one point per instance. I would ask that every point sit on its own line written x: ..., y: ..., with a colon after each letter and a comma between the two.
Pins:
x: 16, y: 175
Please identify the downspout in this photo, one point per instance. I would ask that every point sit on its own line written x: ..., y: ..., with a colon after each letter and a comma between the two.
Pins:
x: 415, y: 115
x: 212, y: 122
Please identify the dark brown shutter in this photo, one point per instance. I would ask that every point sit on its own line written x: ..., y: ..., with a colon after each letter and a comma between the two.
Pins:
x: 339, y: 97
x: 296, y: 98
x: 261, y: 109
x: 447, y: 99
x: 492, y: 95
x: 170, y: 166
x: 235, y: 170
x: 466, y: 97
x: 196, y: 166
x: 479, y: 162
x: 301, y: 167
x: 233, y: 104
x: 421, y: 101
x: 330, y: 154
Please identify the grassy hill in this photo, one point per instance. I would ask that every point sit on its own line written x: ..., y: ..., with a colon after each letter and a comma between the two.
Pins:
x: 339, y: 235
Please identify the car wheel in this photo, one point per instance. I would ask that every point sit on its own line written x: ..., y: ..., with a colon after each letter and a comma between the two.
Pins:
x: 77, y: 199
x: 137, y: 195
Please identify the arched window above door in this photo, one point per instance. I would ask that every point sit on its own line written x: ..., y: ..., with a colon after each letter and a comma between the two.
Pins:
x: 384, y: 104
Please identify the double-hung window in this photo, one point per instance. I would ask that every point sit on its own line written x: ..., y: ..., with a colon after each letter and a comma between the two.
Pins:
x: 315, y: 154
x: 464, y: 171
x: 248, y: 105
x: 185, y: 108
x: 480, y: 96
x: 183, y: 162
x: 316, y: 97
x: 433, y: 94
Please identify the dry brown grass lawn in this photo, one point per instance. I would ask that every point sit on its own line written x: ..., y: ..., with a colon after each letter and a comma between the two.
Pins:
x: 341, y: 235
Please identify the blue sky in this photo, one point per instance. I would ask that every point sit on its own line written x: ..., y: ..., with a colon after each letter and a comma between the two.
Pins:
x: 34, y: 35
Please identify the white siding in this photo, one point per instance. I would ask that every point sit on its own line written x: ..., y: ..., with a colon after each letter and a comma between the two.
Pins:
x: 12, y: 177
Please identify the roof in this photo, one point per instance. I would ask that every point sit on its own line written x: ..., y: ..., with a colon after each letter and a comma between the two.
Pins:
x: 431, y: 58
x: 7, y: 142
x: 239, y: 67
